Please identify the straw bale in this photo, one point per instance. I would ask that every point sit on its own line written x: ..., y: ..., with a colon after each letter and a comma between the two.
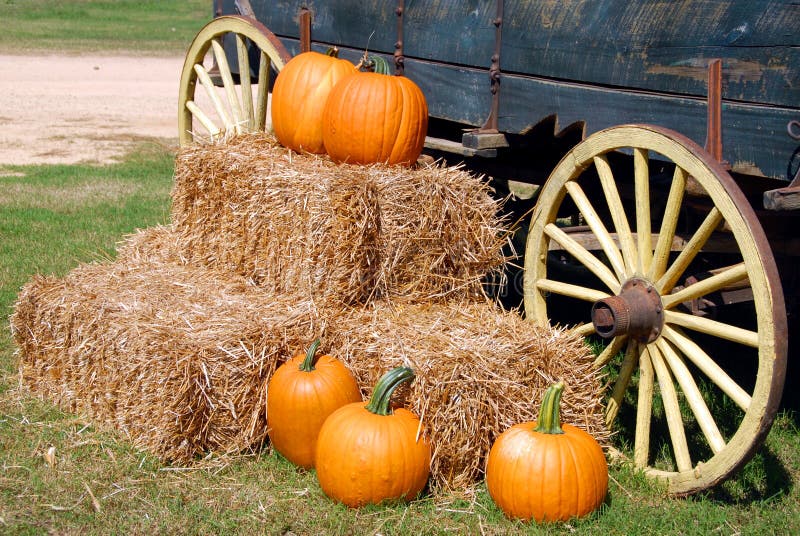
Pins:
x: 157, y: 244
x: 299, y: 223
x: 479, y: 371
x: 176, y: 357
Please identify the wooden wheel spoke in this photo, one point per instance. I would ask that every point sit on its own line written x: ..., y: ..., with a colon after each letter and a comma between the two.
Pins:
x: 693, y: 396
x: 232, y: 107
x: 713, y: 327
x: 207, y: 123
x: 573, y: 291
x: 718, y: 281
x: 586, y: 258
x: 584, y: 330
x: 626, y: 369
x: 609, y: 351
x: 668, y: 224
x: 642, y: 192
x: 614, y: 202
x: 669, y: 397
x: 208, y: 85
x: 227, y: 81
x: 599, y: 229
x: 690, y: 251
x: 707, y: 366
x: 263, y: 91
x: 244, y: 82
x: 644, y: 411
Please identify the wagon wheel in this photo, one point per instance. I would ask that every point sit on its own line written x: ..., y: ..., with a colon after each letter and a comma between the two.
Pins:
x: 666, y: 374
x: 234, y: 111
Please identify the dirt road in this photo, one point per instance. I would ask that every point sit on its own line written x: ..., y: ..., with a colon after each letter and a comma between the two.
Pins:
x: 69, y: 109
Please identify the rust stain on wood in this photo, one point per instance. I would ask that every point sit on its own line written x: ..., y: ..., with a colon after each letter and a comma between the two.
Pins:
x: 732, y: 70
x: 748, y: 168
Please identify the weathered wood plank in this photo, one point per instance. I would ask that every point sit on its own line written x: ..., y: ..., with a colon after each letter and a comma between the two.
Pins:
x: 657, y: 46
x: 754, y: 137
x: 596, y: 62
x: 783, y: 198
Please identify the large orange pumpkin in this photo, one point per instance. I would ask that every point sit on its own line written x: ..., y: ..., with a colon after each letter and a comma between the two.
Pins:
x: 374, y: 117
x: 299, y: 96
x: 547, y: 471
x: 301, y: 394
x: 367, y: 453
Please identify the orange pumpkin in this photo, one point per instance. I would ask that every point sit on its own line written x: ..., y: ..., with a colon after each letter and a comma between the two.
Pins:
x: 546, y: 471
x: 299, y: 96
x: 301, y: 394
x: 373, y: 117
x: 367, y: 453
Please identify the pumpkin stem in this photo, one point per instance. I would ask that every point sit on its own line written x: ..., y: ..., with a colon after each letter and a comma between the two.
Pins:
x: 332, y: 52
x: 549, y: 415
x: 379, y: 401
x: 308, y: 363
x: 373, y: 64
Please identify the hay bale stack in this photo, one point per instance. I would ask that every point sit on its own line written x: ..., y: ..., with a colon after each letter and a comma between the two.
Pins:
x: 176, y: 357
x: 175, y: 341
x: 299, y: 223
x: 479, y: 370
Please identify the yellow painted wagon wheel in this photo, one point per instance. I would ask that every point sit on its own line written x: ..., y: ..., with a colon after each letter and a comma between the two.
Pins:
x: 696, y: 412
x: 242, y: 107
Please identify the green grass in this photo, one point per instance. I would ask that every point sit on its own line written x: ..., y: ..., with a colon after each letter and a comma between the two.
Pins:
x: 54, y: 217
x: 161, y: 27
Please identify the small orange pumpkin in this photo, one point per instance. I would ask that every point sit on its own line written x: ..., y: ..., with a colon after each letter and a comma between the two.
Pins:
x: 367, y: 453
x: 547, y: 471
x: 299, y: 95
x: 301, y: 394
x: 374, y: 117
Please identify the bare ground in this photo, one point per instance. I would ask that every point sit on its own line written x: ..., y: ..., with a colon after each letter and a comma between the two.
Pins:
x: 69, y: 109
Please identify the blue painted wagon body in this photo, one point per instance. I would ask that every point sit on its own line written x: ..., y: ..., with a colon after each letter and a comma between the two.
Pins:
x: 584, y: 64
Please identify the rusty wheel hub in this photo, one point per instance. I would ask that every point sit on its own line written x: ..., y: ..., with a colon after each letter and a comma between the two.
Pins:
x: 636, y: 311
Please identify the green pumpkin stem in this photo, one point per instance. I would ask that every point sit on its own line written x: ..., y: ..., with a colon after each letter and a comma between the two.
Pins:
x: 375, y: 64
x: 549, y: 415
x: 379, y: 401
x: 308, y: 363
x: 332, y: 52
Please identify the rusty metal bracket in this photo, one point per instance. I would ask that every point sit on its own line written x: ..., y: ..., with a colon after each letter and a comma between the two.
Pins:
x: 489, y: 136
x: 399, y: 59
x: 714, y: 113
x: 793, y: 128
x: 713, y: 144
x: 304, y: 18
x: 494, y: 70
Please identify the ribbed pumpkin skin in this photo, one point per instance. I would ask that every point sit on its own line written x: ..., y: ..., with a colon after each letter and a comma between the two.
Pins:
x: 298, y: 402
x: 364, y: 458
x: 375, y: 118
x: 547, y: 477
x: 298, y: 99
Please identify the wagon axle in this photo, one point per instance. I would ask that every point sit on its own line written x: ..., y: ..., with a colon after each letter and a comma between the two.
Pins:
x: 636, y: 311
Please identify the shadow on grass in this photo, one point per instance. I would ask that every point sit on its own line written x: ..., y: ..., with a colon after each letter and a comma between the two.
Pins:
x: 764, y: 477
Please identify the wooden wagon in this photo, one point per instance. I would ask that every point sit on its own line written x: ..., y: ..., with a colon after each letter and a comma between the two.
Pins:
x: 659, y: 142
